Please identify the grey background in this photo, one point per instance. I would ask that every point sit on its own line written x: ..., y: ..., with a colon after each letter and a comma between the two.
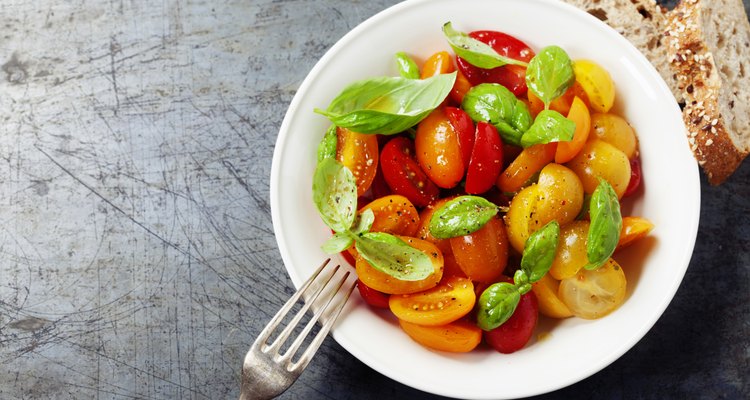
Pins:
x: 137, y: 256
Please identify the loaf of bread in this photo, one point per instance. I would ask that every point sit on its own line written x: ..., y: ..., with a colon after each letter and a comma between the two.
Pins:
x: 643, y: 23
x: 709, y: 42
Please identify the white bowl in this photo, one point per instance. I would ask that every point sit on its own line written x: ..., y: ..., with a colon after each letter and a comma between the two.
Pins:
x: 574, y: 348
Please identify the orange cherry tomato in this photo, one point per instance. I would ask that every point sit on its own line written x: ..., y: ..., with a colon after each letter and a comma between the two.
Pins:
x: 394, y: 214
x: 482, y: 255
x: 359, y: 153
x: 450, y: 300
x: 529, y: 162
x: 460, y: 87
x: 633, y: 228
x: 423, y: 232
x: 579, y: 114
x: 456, y: 337
x: 438, y: 149
x: 385, y: 283
x: 438, y: 63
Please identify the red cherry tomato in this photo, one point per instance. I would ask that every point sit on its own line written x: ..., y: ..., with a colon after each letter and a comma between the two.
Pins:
x: 403, y: 175
x: 517, y: 330
x: 512, y: 77
x: 635, y: 176
x: 464, y: 126
x: 486, y: 159
x: 371, y: 296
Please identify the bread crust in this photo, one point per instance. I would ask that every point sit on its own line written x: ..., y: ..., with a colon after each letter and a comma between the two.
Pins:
x: 698, y: 79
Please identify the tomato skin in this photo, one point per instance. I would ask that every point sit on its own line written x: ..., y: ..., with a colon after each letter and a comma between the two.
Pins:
x: 482, y: 255
x: 635, y: 177
x: 464, y: 127
x: 456, y: 337
x: 404, y: 175
x: 394, y: 214
x: 530, y: 161
x: 486, y: 159
x: 438, y: 150
x: 517, y: 330
x: 460, y: 87
x: 359, y: 153
x: 578, y: 113
x: 371, y: 296
x: 512, y: 77
x: 633, y: 228
x: 438, y: 63
x: 452, y: 299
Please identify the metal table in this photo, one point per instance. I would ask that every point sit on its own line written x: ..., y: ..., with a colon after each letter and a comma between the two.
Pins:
x: 137, y: 255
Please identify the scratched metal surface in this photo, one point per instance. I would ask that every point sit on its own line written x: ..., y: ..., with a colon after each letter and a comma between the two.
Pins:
x: 137, y: 256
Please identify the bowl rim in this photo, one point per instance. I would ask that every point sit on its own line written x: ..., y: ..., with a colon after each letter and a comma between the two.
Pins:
x: 406, y: 5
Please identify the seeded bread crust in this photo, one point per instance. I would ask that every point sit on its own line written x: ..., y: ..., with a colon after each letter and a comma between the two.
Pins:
x: 718, y: 132
x: 643, y: 23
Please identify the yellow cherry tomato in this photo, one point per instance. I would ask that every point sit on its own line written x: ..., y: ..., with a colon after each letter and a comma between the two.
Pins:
x: 571, y: 250
x: 614, y: 130
x: 592, y: 294
x: 599, y: 159
x: 597, y: 83
x: 550, y: 305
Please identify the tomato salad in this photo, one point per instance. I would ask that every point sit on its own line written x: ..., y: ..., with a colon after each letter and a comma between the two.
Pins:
x: 481, y: 190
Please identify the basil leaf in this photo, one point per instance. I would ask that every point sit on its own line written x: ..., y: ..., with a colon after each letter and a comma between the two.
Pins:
x: 497, y: 105
x: 335, y: 194
x: 496, y: 304
x: 606, y: 223
x: 407, y: 68
x: 393, y: 256
x: 539, y: 251
x: 550, y: 74
x: 387, y: 105
x: 549, y: 126
x: 475, y: 52
x: 337, y: 243
x: 363, y: 223
x: 327, y: 146
x: 461, y: 216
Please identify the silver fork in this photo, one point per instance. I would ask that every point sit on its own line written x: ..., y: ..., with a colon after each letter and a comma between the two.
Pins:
x: 266, y: 372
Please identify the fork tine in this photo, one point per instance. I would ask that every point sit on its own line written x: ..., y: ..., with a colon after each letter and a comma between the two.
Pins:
x: 284, y: 335
x: 301, y: 364
x: 266, y: 332
x: 316, y: 316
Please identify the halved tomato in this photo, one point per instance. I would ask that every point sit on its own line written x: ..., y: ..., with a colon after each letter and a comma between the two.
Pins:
x: 482, y: 255
x: 512, y: 77
x: 456, y: 337
x: 452, y: 299
x: 371, y: 296
x: 403, y: 175
x: 486, y: 159
x: 359, y: 153
x: 385, y: 283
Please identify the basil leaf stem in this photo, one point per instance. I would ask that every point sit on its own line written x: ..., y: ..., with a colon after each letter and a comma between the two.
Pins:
x: 461, y: 216
x: 550, y: 74
x: 407, y: 68
x: 606, y: 223
x: 387, y: 105
x: 497, y: 105
x: 549, y: 126
x: 475, y: 52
